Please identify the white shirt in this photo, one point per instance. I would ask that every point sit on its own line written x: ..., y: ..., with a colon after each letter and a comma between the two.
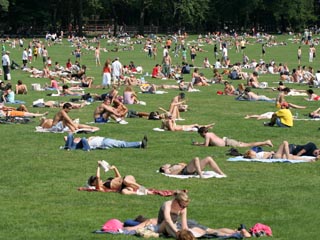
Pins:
x: 25, y: 55
x: 95, y: 142
x: 116, y: 67
x: 5, y: 60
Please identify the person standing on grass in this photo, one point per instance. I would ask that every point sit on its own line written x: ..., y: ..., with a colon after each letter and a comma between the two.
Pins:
x: 299, y: 54
x: 211, y: 139
x: 97, y: 55
x: 116, y: 70
x: 106, y: 77
x: 6, y: 65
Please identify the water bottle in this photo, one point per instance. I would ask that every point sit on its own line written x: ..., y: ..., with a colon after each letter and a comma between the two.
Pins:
x: 142, y: 80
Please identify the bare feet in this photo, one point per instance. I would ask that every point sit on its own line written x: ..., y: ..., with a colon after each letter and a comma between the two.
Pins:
x: 269, y: 143
x: 247, y: 117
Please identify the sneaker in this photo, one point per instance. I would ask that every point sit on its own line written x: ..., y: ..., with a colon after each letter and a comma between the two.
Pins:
x: 266, y: 124
x: 122, y: 122
x: 144, y: 143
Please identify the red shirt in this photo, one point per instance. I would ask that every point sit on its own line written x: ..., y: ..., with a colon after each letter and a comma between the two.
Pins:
x: 155, y: 72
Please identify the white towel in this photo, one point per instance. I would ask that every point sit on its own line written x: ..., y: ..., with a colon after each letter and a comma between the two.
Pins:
x: 205, y: 174
x: 240, y: 158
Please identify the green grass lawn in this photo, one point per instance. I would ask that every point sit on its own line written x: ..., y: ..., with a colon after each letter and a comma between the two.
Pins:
x: 38, y: 193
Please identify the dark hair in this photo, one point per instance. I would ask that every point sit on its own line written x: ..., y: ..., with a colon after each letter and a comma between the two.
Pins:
x: 153, y: 116
x: 310, y: 91
x: 247, y: 89
x: 91, y: 180
x: 65, y: 86
x: 161, y: 170
x: 182, y: 95
x: 66, y: 105
x: 202, y: 130
x: 286, y: 89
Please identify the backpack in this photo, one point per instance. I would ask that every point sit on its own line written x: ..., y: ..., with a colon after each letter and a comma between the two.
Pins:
x: 233, y: 152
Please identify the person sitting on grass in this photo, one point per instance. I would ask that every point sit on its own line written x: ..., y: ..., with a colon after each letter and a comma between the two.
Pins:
x: 195, y: 166
x: 21, y: 88
x: 212, y: 139
x: 169, y: 124
x: 283, y: 152
x: 176, y: 104
x: 171, y: 210
x: 105, y: 111
x: 281, y: 98
x: 282, y: 118
x: 62, y: 122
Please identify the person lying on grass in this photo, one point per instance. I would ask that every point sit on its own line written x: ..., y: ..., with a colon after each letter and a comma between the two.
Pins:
x: 211, y: 139
x: 195, y: 166
x: 283, y: 152
x: 21, y: 111
x: 169, y: 124
x: 125, y: 185
x: 97, y: 142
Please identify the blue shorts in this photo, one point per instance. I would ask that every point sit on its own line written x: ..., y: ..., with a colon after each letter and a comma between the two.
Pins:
x: 101, y: 120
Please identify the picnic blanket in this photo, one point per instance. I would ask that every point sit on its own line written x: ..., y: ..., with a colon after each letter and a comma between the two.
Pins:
x: 49, y: 130
x: 206, y: 174
x: 241, y: 158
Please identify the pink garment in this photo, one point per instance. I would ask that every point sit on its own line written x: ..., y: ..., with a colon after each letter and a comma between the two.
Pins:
x: 258, y: 227
x: 54, y: 84
x: 127, y: 98
x: 112, y: 225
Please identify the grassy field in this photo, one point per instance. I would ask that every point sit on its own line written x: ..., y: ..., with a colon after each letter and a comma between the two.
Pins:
x: 38, y: 193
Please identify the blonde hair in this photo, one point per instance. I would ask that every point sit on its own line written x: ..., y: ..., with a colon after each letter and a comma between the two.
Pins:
x: 185, y: 234
x: 182, y: 196
x: 248, y: 154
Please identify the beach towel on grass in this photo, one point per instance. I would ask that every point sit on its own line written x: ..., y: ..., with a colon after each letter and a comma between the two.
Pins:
x: 206, y: 174
x: 240, y: 158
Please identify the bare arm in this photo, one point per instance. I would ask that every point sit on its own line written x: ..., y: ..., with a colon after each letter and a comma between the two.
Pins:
x: 167, y: 216
x: 116, y: 171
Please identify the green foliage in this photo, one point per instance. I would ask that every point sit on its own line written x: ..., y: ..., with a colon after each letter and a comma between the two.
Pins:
x: 39, y: 197
x: 4, y: 4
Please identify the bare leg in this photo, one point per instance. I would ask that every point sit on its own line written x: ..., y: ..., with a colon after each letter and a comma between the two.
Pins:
x: 251, y: 116
x: 27, y: 114
x: 214, y: 166
x: 91, y: 128
x: 256, y: 144
x: 296, y: 106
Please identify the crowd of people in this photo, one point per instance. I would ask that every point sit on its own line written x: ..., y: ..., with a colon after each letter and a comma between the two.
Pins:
x: 72, y: 78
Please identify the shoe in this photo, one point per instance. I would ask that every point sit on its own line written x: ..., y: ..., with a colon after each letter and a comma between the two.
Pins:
x: 145, y: 138
x: 242, y: 226
x: 144, y: 143
x: 266, y: 124
x: 122, y: 122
